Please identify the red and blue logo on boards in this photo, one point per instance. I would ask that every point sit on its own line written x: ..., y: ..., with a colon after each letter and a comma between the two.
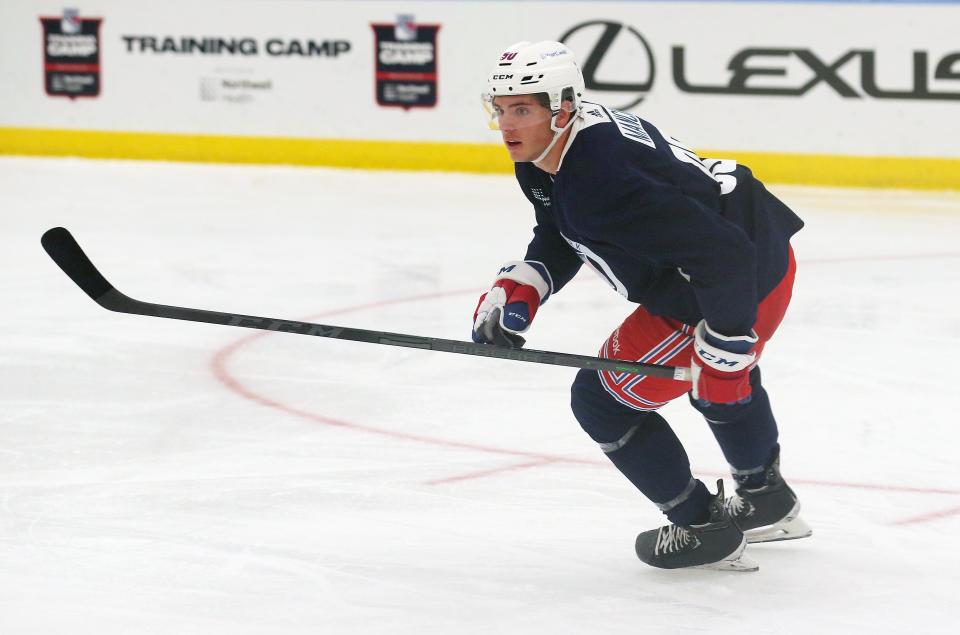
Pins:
x: 71, y: 55
x: 406, y: 63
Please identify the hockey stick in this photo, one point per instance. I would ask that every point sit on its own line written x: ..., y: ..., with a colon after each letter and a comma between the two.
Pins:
x: 63, y: 248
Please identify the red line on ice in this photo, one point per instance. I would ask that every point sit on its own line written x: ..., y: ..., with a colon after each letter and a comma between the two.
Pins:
x: 490, y: 472
x: 924, y: 518
x: 219, y: 361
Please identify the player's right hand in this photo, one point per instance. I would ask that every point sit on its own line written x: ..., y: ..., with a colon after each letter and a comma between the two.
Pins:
x: 508, y: 308
x: 721, y: 366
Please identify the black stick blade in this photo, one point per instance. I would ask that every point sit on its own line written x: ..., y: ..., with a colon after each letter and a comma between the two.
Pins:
x: 63, y: 248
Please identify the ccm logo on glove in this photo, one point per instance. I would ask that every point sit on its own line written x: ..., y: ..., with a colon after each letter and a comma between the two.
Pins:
x: 720, y: 366
x: 720, y: 361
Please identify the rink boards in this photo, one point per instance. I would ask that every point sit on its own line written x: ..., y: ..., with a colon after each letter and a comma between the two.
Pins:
x: 828, y: 93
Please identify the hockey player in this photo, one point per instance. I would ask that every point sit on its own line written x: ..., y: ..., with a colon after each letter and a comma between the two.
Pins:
x: 703, y: 248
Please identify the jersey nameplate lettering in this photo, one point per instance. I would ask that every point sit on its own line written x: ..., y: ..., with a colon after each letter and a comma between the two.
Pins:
x: 631, y: 127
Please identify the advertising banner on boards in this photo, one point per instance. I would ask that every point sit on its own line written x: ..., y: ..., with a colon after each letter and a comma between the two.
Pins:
x: 406, y: 63
x: 71, y: 55
x: 751, y: 76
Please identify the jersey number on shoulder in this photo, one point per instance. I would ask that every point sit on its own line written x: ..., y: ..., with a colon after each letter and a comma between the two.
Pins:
x: 720, y: 170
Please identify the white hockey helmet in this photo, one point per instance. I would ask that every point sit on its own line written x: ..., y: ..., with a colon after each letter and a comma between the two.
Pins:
x: 527, y: 68
x: 531, y: 69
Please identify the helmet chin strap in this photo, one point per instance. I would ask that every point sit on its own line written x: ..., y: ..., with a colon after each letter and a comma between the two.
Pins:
x: 557, y: 133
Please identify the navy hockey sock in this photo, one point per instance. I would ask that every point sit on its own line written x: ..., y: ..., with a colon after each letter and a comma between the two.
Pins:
x: 644, y: 448
x: 747, y: 433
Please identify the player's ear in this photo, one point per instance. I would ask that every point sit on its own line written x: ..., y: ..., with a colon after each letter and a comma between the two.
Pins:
x: 563, y: 118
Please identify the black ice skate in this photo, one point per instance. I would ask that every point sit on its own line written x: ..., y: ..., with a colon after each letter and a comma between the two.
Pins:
x: 716, y: 544
x: 770, y: 512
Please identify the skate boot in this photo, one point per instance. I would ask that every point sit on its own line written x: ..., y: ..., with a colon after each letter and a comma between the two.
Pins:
x: 716, y: 544
x: 770, y: 512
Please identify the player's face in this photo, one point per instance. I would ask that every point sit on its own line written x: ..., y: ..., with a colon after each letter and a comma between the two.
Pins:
x: 524, y: 125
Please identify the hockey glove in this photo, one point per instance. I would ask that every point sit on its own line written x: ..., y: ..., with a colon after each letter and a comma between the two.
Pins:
x: 508, y: 308
x: 721, y: 366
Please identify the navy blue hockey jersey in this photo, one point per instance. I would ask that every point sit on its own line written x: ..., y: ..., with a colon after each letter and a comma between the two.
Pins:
x: 687, y: 238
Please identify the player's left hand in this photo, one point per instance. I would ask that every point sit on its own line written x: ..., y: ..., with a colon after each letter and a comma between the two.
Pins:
x: 721, y: 366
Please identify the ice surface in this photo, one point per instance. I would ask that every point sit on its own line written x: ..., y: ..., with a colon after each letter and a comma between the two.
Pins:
x: 167, y: 477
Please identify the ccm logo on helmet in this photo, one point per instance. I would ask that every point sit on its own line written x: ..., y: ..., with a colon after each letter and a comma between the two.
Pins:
x: 503, y: 76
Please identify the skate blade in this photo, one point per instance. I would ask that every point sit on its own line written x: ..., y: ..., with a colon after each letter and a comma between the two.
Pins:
x: 787, y: 529
x: 737, y: 561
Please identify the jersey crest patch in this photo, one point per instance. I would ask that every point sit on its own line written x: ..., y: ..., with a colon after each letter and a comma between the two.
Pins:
x: 631, y: 127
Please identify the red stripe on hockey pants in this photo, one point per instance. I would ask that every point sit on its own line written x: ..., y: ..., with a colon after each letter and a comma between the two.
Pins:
x: 662, y: 340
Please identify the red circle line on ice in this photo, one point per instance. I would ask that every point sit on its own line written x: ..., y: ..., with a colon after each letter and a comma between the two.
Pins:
x: 219, y: 365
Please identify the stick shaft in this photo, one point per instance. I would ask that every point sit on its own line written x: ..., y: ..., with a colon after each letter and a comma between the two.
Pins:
x: 67, y: 253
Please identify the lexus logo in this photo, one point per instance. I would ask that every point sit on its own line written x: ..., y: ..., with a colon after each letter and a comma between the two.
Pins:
x: 620, y: 60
